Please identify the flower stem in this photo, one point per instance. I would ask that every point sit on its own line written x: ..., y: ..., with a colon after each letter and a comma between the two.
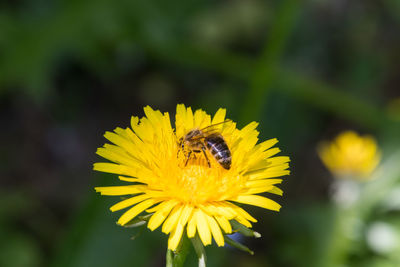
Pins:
x: 170, y: 258
x: 199, y: 248
x: 177, y: 258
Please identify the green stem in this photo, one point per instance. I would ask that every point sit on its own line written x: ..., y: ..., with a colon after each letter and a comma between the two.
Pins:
x: 170, y: 258
x: 199, y: 248
x: 177, y: 258
x: 339, y: 244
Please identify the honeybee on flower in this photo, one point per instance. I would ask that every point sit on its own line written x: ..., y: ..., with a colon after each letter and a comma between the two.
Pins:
x: 208, y: 138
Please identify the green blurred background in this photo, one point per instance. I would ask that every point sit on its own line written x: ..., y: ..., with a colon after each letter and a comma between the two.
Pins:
x: 306, y: 70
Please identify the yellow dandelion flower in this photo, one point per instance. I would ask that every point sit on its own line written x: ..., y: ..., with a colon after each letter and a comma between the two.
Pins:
x: 186, y: 193
x: 350, y: 155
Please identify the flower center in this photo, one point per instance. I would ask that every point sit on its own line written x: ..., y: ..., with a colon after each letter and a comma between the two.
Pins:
x: 195, y: 182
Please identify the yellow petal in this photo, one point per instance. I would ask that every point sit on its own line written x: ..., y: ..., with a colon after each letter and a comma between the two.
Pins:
x: 154, y: 116
x: 262, y: 182
x: 120, y: 141
x: 134, y: 121
x: 277, y: 168
x: 120, y: 190
x: 134, y: 211
x: 219, y: 116
x: 176, y: 234
x: 203, y: 227
x: 201, y: 119
x: 243, y: 221
x: 120, y: 158
x: 258, y: 190
x: 175, y: 237
x: 268, y: 174
x: 245, y: 131
x: 172, y: 219
x: 181, y: 110
x: 258, y: 201
x: 142, y: 130
x: 267, y: 144
x: 161, y: 214
x: 128, y: 179
x: 189, y: 117
x: 113, y: 168
x: 180, y: 120
x: 215, y: 230
x: 275, y: 190
x: 271, y: 152
x: 278, y: 161
x: 241, y: 212
x: 217, y: 208
x: 191, y: 228
x: 185, y: 215
x: 224, y: 223
x: 129, y: 202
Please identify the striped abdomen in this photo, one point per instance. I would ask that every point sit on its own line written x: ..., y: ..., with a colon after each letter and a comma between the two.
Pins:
x: 219, y: 149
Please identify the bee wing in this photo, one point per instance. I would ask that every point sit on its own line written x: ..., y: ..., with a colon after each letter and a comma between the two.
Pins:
x: 212, y: 129
x: 215, y: 126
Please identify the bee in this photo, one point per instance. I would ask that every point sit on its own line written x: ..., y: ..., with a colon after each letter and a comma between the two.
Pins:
x: 208, y: 138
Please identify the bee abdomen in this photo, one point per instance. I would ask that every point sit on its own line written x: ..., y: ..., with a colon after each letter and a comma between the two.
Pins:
x: 219, y: 150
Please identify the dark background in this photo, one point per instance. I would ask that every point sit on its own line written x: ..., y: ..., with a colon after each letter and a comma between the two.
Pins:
x: 70, y: 70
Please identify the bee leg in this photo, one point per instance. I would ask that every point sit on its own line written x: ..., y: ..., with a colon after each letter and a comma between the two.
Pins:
x: 181, y: 146
x: 188, y: 157
x: 205, y: 155
x: 195, y: 153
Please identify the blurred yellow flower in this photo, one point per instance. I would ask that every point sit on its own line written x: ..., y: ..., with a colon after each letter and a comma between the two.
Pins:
x: 190, y: 195
x: 350, y: 155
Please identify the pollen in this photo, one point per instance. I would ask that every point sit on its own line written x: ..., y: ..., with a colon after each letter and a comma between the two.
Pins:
x: 199, y: 184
